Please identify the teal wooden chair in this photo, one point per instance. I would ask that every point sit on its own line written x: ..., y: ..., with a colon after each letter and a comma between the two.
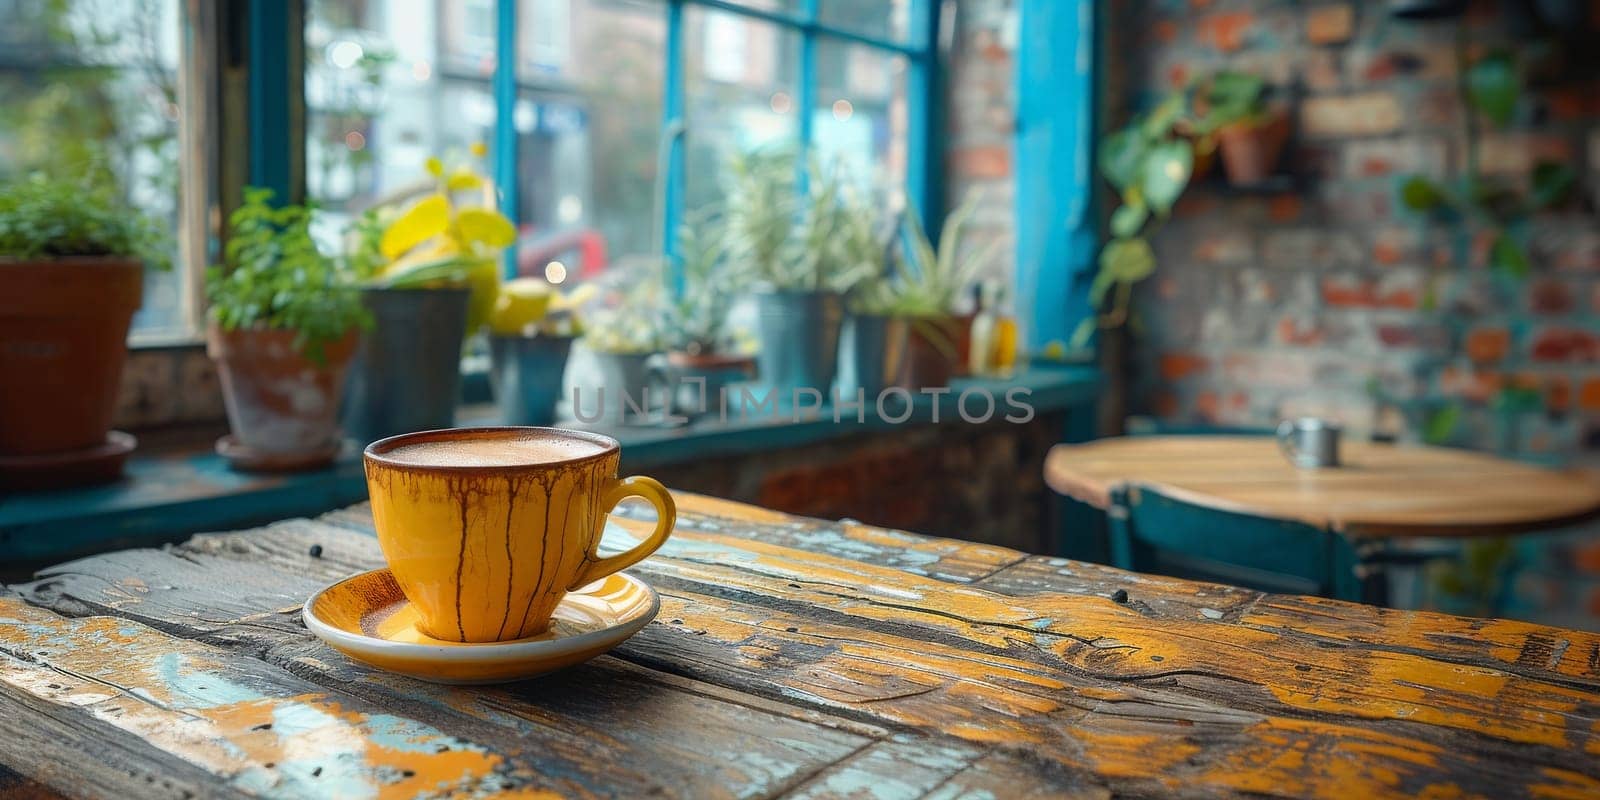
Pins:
x: 1151, y: 532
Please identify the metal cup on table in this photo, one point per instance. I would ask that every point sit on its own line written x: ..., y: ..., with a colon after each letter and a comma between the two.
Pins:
x: 1309, y: 442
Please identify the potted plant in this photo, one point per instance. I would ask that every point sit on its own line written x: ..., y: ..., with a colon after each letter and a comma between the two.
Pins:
x: 700, y: 361
x: 530, y: 338
x: 620, y: 343
x: 864, y: 365
x: 430, y: 269
x: 285, y: 320
x: 799, y: 277
x: 1231, y: 107
x: 72, y: 261
x: 922, y: 340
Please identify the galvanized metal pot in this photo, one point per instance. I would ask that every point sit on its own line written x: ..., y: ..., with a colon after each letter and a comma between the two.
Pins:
x: 694, y: 384
x: 407, y: 373
x: 799, y: 339
x: 864, y: 364
x: 525, y: 373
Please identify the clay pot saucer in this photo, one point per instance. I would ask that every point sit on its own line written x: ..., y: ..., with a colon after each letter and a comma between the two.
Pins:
x: 244, y: 458
x: 99, y: 464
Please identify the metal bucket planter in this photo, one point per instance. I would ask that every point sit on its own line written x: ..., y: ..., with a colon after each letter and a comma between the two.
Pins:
x: 624, y: 392
x: 694, y: 383
x: 799, y: 340
x: 525, y: 373
x: 864, y: 356
x: 407, y: 373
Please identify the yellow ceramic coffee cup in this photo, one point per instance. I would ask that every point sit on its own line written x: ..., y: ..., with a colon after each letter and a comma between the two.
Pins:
x: 486, y: 529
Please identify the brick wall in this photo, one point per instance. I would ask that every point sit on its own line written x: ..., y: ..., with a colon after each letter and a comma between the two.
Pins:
x: 980, y: 114
x: 1329, y: 297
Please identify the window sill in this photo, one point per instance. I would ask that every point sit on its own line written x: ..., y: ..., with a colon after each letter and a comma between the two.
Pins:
x: 168, y: 496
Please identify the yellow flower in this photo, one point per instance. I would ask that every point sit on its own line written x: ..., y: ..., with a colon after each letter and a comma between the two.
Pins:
x: 424, y: 220
x: 463, y: 179
x: 435, y: 166
x: 479, y: 149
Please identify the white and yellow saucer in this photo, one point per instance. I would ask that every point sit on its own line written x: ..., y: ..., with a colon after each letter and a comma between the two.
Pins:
x: 367, y: 618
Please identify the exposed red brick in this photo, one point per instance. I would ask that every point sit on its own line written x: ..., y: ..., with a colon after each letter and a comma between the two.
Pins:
x: 1194, y: 204
x: 1292, y: 332
x: 1386, y: 252
x: 1226, y: 32
x: 1474, y: 384
x: 1565, y: 344
x: 1401, y: 297
x: 1348, y: 292
x: 1397, y: 335
x: 989, y: 161
x: 1550, y: 297
x: 1177, y: 366
x: 1589, y: 395
x: 1586, y: 557
x: 1284, y: 207
x: 1488, y: 345
x: 1558, y: 394
x: 1331, y: 24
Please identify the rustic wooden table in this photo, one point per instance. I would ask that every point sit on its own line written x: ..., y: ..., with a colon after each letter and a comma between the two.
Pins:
x: 1381, y: 489
x: 792, y: 657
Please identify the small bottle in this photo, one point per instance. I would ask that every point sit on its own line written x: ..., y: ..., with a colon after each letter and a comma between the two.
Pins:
x: 1003, y: 352
x: 980, y: 350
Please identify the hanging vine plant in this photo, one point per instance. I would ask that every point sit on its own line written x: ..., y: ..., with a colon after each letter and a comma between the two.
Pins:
x: 1150, y: 162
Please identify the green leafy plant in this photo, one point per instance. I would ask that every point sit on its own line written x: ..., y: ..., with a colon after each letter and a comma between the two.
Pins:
x: 927, y: 281
x: 42, y: 217
x: 1150, y: 162
x: 273, y: 276
x: 1490, y: 86
x: 695, y: 322
x: 779, y: 237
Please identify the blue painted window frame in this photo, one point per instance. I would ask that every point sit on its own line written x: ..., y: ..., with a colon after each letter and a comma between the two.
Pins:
x: 270, y: 140
x: 1057, y: 217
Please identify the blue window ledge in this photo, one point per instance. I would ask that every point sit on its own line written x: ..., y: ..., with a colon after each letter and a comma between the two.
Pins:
x: 166, y: 497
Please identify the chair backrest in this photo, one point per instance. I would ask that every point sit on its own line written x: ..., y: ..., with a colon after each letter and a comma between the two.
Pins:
x: 1151, y: 532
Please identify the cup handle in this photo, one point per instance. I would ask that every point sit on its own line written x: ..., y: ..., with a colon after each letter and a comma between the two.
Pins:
x: 1286, y: 441
x: 666, y: 515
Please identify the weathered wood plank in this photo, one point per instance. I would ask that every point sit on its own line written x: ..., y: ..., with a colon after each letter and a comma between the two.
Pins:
x: 591, y: 730
x: 995, y: 670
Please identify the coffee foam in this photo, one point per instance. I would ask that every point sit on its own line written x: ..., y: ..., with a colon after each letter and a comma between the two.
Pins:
x: 492, y: 451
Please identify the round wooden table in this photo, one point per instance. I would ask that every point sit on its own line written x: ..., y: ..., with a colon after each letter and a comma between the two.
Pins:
x: 1380, y: 490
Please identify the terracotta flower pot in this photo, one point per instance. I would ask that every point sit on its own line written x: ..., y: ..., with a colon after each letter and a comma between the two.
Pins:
x: 922, y: 351
x: 63, y: 340
x: 282, y: 407
x: 1250, y: 149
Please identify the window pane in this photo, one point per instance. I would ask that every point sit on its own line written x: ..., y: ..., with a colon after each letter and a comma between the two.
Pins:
x: 588, y: 128
x: 388, y: 84
x: 859, y: 121
x: 783, y: 6
x: 739, y: 88
x: 85, y: 82
x: 885, y: 19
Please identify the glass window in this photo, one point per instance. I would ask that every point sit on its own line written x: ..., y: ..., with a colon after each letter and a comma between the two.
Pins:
x: 882, y: 19
x: 739, y: 91
x: 88, y: 84
x: 385, y: 91
x: 588, y: 131
x: 859, y: 120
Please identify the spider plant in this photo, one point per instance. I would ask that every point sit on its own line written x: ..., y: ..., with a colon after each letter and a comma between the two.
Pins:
x: 928, y: 280
x: 695, y: 322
